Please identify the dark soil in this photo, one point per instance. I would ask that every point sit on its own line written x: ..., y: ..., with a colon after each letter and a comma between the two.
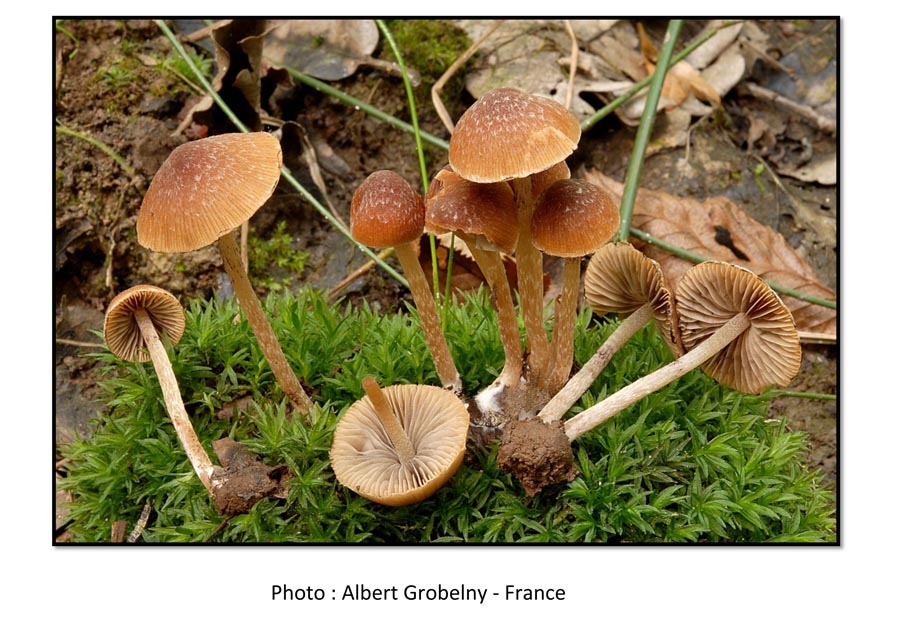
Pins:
x: 107, y: 89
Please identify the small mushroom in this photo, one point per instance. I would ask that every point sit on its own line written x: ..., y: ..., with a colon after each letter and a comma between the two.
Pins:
x: 572, y: 219
x: 398, y: 445
x: 483, y: 216
x: 508, y: 135
x: 386, y: 212
x: 134, y: 321
x: 618, y: 279
x: 732, y: 325
x: 201, y: 193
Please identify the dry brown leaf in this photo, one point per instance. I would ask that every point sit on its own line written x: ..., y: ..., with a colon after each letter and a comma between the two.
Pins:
x: 718, y: 229
x: 681, y: 81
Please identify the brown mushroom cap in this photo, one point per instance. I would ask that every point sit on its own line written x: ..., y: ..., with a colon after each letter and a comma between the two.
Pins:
x: 206, y: 188
x: 766, y: 354
x: 619, y: 279
x: 454, y: 204
x: 510, y: 134
x: 123, y: 337
x: 573, y: 218
x: 385, y: 211
x: 365, y: 460
x: 543, y: 179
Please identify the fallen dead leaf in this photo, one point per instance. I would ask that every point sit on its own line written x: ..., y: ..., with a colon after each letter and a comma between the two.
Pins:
x: 719, y: 229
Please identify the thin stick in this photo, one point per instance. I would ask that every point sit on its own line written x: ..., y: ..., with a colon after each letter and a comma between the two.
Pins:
x: 825, y: 124
x: 120, y: 161
x: 450, y: 71
x: 350, y: 277
x: 573, y: 64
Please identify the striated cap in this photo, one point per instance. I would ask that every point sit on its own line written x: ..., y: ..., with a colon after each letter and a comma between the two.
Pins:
x: 619, y: 279
x: 385, y: 211
x: 207, y: 188
x: 573, y: 218
x: 365, y: 460
x: 123, y: 336
x: 454, y: 204
x: 766, y: 354
x: 509, y: 134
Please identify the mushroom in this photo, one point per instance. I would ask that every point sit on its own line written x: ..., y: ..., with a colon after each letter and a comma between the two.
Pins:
x: 572, y: 218
x: 386, y: 212
x: 201, y: 193
x: 483, y: 216
x: 508, y: 135
x: 134, y: 321
x: 398, y: 445
x: 732, y: 325
x: 618, y: 279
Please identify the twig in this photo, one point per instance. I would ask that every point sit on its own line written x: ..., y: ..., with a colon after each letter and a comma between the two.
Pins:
x: 140, y: 525
x: 767, y: 58
x: 825, y: 124
x: 454, y: 67
x: 573, y: 64
x: 349, y: 278
x: 79, y: 343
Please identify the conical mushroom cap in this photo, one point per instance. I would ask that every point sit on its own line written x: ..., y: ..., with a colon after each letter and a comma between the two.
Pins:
x: 385, y: 211
x: 619, y: 279
x: 123, y: 336
x: 454, y: 204
x: 573, y: 218
x: 207, y: 188
x: 509, y: 134
x: 766, y: 354
x: 365, y: 460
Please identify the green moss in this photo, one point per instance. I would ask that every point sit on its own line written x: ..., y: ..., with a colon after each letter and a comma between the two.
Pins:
x: 274, y: 261
x: 694, y: 462
x: 428, y: 46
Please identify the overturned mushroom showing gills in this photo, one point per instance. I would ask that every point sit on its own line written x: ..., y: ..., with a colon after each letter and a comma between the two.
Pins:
x: 398, y: 445
x: 621, y: 280
x: 732, y: 325
x: 201, y: 193
x: 572, y: 219
x: 508, y: 135
x: 386, y: 212
x: 134, y: 321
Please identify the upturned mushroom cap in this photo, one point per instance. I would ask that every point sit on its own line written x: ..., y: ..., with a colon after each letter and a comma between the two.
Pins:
x: 573, y: 218
x: 124, y: 338
x: 385, y: 211
x: 619, y: 279
x: 206, y: 188
x: 509, y: 134
x: 454, y: 204
x: 365, y: 460
x: 766, y: 354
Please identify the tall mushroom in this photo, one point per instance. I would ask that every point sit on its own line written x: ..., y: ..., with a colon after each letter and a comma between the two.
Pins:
x: 134, y: 321
x: 201, y: 193
x: 508, y: 135
x: 572, y: 219
x: 483, y: 216
x: 386, y: 212
x: 398, y: 445
x: 618, y: 279
x: 732, y: 325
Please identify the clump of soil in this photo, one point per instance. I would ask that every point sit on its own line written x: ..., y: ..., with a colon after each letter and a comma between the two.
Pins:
x: 538, y: 454
x: 243, y: 480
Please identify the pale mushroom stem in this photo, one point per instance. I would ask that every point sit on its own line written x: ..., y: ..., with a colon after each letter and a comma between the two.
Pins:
x: 261, y: 327
x: 531, y: 281
x: 495, y: 273
x: 581, y: 381
x: 389, y: 420
x: 431, y: 323
x: 562, y: 348
x: 618, y: 401
x: 203, y: 466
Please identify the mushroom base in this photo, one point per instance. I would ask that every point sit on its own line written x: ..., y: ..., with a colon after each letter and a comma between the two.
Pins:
x: 243, y: 480
x: 538, y: 454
